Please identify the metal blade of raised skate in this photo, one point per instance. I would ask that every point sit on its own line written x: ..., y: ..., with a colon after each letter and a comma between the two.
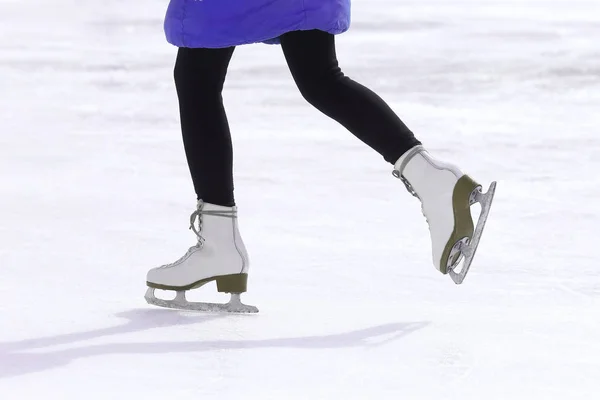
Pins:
x: 235, y: 304
x: 485, y: 199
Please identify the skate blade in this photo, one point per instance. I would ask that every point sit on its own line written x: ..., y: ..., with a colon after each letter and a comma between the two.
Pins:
x: 235, y: 304
x: 485, y: 199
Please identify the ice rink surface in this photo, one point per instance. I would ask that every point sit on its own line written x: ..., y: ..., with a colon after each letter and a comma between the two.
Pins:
x: 94, y: 190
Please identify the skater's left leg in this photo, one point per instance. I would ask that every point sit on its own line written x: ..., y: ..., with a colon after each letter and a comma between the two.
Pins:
x: 312, y: 60
x: 446, y: 193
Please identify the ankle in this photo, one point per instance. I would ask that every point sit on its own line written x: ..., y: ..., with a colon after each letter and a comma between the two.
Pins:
x: 217, y: 201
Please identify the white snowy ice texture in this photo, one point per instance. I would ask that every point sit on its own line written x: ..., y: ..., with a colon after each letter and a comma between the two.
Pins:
x: 94, y: 190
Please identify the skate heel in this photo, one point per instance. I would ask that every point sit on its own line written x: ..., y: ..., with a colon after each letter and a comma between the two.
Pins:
x: 466, y: 246
x: 462, y: 199
x: 236, y: 283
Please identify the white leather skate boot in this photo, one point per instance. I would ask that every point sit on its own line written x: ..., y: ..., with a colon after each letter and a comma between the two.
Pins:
x: 446, y: 195
x: 219, y: 255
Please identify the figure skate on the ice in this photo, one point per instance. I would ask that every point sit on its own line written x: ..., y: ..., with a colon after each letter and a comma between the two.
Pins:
x: 219, y: 255
x: 446, y: 195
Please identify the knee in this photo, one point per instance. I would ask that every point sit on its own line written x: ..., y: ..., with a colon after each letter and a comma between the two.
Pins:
x: 313, y: 91
x: 318, y: 88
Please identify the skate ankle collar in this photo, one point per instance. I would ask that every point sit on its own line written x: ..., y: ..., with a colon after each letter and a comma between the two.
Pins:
x: 404, y: 160
x: 204, y: 208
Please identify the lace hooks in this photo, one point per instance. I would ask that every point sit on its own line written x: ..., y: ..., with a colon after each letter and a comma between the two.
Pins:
x: 410, y: 189
x: 197, y: 215
x: 407, y: 184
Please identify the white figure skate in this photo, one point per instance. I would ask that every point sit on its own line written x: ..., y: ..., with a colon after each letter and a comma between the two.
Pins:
x: 446, y: 195
x: 219, y: 255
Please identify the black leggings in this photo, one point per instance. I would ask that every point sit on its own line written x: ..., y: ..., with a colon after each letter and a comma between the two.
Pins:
x: 311, y: 57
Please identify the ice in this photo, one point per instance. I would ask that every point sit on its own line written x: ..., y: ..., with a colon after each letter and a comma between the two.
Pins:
x: 94, y: 190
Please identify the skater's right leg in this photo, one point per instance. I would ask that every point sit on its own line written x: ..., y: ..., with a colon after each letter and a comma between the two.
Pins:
x: 199, y: 78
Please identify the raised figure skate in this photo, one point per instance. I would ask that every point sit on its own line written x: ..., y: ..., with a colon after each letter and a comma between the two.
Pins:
x: 446, y: 195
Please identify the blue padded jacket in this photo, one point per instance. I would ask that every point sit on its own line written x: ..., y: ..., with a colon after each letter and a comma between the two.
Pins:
x: 224, y: 23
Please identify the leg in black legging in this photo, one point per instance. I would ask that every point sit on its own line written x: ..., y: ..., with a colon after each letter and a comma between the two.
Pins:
x: 313, y: 63
x: 199, y: 78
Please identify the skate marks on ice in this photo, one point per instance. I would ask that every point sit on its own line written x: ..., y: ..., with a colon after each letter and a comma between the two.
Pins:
x: 26, y: 356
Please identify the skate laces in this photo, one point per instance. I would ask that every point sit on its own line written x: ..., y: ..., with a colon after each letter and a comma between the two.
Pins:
x: 196, y: 216
x: 411, y: 191
x: 182, y: 258
x: 409, y: 187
